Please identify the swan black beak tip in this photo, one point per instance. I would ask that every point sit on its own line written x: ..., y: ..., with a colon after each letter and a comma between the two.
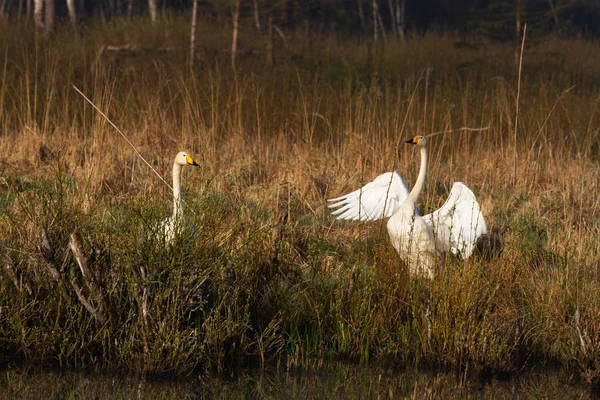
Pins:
x: 195, y: 164
x: 411, y: 141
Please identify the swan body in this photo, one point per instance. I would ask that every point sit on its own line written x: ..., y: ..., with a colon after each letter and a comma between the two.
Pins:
x: 418, y: 239
x: 171, y: 226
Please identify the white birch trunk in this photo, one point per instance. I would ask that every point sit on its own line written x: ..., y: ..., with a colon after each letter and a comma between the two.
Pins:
x: 375, y: 20
x: 130, y: 10
x: 153, y: 10
x: 72, y: 12
x: 193, y: 34
x: 38, y: 13
x: 256, y: 15
x: 236, y: 20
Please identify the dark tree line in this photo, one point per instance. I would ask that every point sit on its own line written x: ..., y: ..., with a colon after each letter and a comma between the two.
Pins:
x: 379, y: 19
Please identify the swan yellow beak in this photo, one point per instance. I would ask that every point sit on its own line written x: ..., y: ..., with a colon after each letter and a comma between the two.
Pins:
x: 190, y: 160
x: 414, y: 140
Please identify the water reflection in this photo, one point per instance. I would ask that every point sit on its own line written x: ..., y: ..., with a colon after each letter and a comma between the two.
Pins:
x: 336, y: 381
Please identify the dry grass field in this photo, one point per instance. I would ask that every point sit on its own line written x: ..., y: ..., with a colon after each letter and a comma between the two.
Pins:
x: 269, y: 276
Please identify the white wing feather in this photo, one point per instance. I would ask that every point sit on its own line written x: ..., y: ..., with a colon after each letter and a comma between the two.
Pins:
x: 458, y: 223
x: 378, y: 199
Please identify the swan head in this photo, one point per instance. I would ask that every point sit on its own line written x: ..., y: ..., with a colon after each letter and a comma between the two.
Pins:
x: 418, y: 140
x: 182, y: 158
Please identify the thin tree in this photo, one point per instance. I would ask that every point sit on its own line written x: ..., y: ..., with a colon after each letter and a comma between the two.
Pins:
x: 554, y: 13
x: 3, y: 9
x: 27, y: 10
x: 393, y: 16
x: 130, y: 10
x: 193, y: 34
x: 234, y: 40
x: 153, y: 10
x: 361, y: 15
x: 380, y: 24
x: 400, y: 7
x: 38, y: 13
x: 72, y: 12
x: 375, y: 14
x: 48, y: 13
x: 269, y: 52
x: 256, y: 15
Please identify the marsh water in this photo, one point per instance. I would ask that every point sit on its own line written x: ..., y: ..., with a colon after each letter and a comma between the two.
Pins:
x: 335, y: 381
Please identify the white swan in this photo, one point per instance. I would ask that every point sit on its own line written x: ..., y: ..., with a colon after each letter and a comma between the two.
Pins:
x: 172, y: 225
x: 454, y: 227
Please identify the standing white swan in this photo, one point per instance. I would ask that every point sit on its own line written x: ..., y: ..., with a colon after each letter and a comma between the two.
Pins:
x: 454, y: 227
x: 172, y: 225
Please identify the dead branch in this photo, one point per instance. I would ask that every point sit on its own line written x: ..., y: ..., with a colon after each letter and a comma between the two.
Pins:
x: 12, y: 272
x: 96, y: 313
x: 281, y: 34
x: 48, y: 253
x: 76, y: 246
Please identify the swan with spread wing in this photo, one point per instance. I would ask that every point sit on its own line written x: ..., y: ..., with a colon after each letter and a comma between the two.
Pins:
x: 418, y: 239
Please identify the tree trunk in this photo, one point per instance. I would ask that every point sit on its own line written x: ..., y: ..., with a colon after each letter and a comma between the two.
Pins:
x: 3, y: 7
x: 517, y: 31
x: 153, y: 10
x: 20, y: 10
x: 400, y: 17
x: 38, y: 13
x: 361, y: 15
x: 49, y: 17
x: 393, y: 16
x: 256, y: 15
x: 193, y: 34
x: 72, y: 12
x: 130, y: 10
x: 554, y: 16
x: 234, y: 39
x: 375, y: 20
x: 27, y: 10
x: 381, y: 26
x: 269, y: 59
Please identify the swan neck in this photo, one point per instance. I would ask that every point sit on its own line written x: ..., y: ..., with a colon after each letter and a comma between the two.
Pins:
x: 177, y: 200
x: 416, y: 190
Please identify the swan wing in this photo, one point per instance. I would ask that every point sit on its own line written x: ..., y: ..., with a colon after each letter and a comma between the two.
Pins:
x: 458, y: 223
x: 375, y: 200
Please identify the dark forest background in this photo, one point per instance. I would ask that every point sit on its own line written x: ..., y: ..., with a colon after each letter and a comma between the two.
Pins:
x: 378, y: 19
